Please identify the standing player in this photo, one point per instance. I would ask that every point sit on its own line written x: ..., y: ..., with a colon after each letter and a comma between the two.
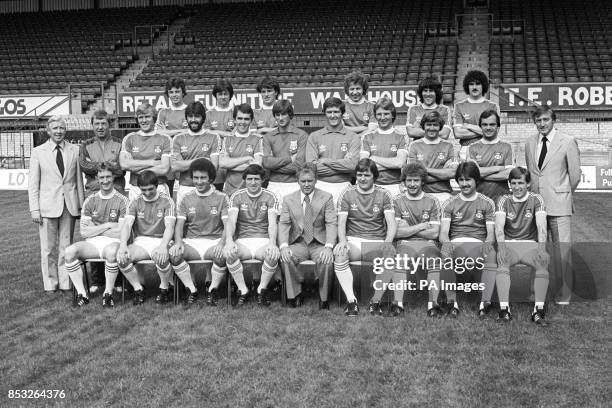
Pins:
x: 520, y: 228
x: 198, y: 234
x: 146, y: 149
x: 430, y: 97
x: 251, y: 232
x: 467, y: 229
x: 269, y: 91
x: 366, y: 226
x: 494, y: 157
x: 436, y: 155
x: 334, y: 149
x: 358, y: 116
x: 171, y: 120
x: 284, y: 150
x: 188, y: 146
x: 239, y: 150
x: 418, y: 225
x: 150, y: 218
x: 386, y: 147
x: 467, y: 112
x: 101, y: 220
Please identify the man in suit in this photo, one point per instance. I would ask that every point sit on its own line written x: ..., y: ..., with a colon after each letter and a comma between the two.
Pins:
x: 307, y: 231
x: 56, y: 195
x: 553, y: 160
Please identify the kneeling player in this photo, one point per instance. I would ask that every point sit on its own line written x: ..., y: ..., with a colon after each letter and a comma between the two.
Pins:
x: 101, y: 219
x: 520, y: 220
x: 366, y: 224
x: 251, y: 232
x: 151, y: 219
x: 467, y: 231
x: 418, y: 225
x: 201, y: 217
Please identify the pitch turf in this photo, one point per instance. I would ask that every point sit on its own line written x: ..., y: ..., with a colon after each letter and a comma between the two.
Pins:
x: 280, y: 357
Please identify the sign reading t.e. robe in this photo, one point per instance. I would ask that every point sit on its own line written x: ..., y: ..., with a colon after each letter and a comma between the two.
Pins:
x: 568, y: 96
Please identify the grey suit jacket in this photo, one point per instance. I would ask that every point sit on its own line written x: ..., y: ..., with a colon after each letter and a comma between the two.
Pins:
x: 560, y: 173
x: 291, y: 225
x: 47, y: 189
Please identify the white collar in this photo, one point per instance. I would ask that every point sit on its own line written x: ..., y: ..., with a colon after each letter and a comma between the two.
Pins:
x: 389, y: 131
x: 479, y: 100
x: 549, y: 136
x: 151, y: 133
x: 229, y: 108
x: 431, y: 142
x: 192, y: 133
x: 464, y: 198
x: 264, y: 107
x: 434, y: 106
x: 108, y: 197
x: 153, y: 199
x: 417, y: 198
x: 243, y: 135
x: 302, y: 195
x: 206, y: 194
x: 359, y: 102
x: 485, y: 141
x: 520, y: 200
x: 370, y: 191
x: 254, y: 195
x: 178, y: 108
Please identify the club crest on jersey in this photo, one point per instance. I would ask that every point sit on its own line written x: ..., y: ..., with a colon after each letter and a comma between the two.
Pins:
x: 466, y: 116
x: 113, y: 214
x: 293, y: 146
x: 366, y: 117
x: 157, y: 149
x: 205, y: 147
x: 230, y: 123
x: 264, y: 207
x: 344, y: 147
x: 479, y: 215
x: 425, y: 215
x: 191, y: 210
x: 185, y: 124
x: 420, y: 156
x: 322, y: 148
x: 528, y: 213
x: 354, y: 207
x: 418, y: 119
x: 458, y: 215
x: 394, y: 148
x: 249, y: 148
x: 375, y: 209
x: 160, y: 213
x: 346, y: 116
x: 184, y: 149
x: 244, y: 207
x: 497, y: 156
x: 441, y: 155
x: 213, y: 210
x: 510, y: 215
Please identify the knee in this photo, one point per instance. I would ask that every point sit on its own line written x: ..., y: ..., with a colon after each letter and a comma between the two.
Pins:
x: 110, y: 255
x: 176, y: 260
x: 271, y: 259
x: 70, y: 254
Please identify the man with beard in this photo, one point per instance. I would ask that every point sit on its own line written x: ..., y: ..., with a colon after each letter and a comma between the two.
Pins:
x: 188, y: 146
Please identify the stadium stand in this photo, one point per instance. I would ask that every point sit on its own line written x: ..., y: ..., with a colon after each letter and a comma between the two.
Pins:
x: 562, y: 41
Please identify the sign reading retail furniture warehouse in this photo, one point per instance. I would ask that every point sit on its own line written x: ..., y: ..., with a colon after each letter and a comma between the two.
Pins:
x: 569, y: 96
x: 30, y: 106
x: 305, y: 100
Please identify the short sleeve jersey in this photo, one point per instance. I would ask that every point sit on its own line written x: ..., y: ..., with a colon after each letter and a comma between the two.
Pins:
x: 358, y: 114
x: 220, y: 119
x: 172, y: 119
x: 487, y: 155
x: 469, y: 112
x: 146, y: 146
x: 239, y: 146
x: 414, y: 211
x: 334, y: 144
x: 520, y: 216
x: 365, y: 212
x: 100, y: 209
x: 263, y: 117
x: 252, y: 221
x: 416, y: 113
x: 432, y: 156
x: 469, y: 218
x: 189, y: 146
x: 286, y: 144
x: 204, y: 214
x: 382, y: 144
x: 149, y: 216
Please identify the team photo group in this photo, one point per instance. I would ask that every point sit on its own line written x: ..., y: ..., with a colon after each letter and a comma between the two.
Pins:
x: 235, y: 184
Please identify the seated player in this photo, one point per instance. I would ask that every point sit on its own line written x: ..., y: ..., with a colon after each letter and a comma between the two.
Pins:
x: 366, y: 226
x: 466, y: 113
x: 520, y: 228
x: 269, y: 91
x: 145, y: 150
x: 467, y: 229
x: 251, y: 232
x: 284, y: 150
x: 418, y: 225
x: 436, y: 155
x: 239, y: 150
x: 307, y: 231
x: 359, y: 113
x: 101, y: 219
x: 198, y: 234
x: 171, y: 120
x: 150, y: 218
x: 386, y: 147
x: 192, y: 144
x: 494, y: 157
x: 430, y: 97
x: 334, y: 149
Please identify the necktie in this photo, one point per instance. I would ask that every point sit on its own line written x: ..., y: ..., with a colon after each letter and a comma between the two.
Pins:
x: 59, y: 159
x: 542, y: 153
x: 308, y: 221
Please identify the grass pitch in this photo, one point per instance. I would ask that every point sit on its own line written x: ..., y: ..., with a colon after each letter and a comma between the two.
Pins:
x: 280, y: 357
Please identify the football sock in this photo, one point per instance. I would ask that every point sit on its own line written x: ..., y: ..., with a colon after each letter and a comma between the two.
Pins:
x: 267, y: 272
x: 218, y: 273
x: 502, y: 280
x: 76, y: 276
x: 398, y: 292
x: 488, y: 279
x: 345, y: 277
x: 434, y: 290
x: 183, y: 271
x: 163, y: 273
x: 131, y: 275
x: 235, y: 269
x: 540, y: 285
x: 110, y: 274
